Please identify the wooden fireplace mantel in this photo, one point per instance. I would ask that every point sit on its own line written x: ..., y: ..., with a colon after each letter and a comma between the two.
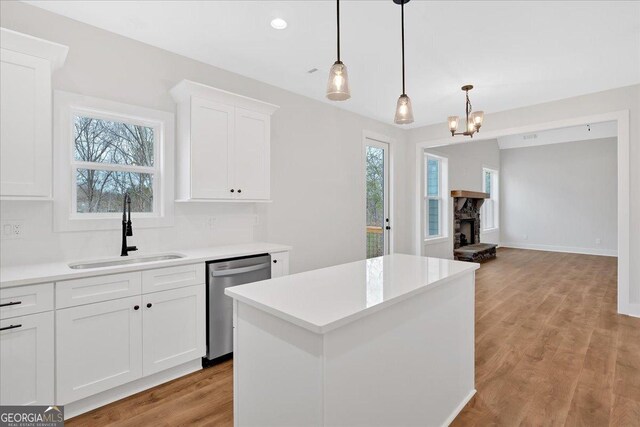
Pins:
x: 469, y: 194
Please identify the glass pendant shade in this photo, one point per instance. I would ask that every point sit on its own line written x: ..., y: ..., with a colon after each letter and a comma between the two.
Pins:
x: 471, y: 127
x: 338, y: 85
x: 478, y: 117
x: 404, y: 111
x: 453, y: 123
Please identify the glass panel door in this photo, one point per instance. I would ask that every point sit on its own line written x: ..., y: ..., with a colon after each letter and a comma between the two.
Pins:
x: 377, y: 203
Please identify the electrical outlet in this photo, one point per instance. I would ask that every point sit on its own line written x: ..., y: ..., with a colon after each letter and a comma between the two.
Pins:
x: 12, y: 229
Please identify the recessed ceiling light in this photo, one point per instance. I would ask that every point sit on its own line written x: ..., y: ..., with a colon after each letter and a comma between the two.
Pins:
x: 279, y: 23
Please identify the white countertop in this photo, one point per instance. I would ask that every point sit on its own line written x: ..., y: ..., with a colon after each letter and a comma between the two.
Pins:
x: 322, y: 300
x: 52, y: 272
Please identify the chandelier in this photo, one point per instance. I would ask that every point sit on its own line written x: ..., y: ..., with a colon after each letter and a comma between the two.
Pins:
x: 473, y: 120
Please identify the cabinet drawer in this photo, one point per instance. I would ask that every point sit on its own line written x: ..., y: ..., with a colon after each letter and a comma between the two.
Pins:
x: 162, y: 279
x: 23, y: 300
x: 75, y: 292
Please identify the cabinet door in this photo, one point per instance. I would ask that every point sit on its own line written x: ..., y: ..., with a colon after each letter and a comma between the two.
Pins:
x: 279, y: 264
x: 212, y: 135
x: 252, y: 154
x: 98, y: 347
x: 26, y: 360
x: 25, y: 126
x: 174, y: 327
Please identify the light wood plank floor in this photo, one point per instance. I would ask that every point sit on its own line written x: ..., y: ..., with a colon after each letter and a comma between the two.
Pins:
x: 550, y: 350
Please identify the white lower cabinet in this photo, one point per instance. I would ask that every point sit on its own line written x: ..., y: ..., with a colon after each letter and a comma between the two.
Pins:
x: 174, y: 328
x: 99, y: 346
x: 107, y: 344
x: 279, y: 264
x: 26, y: 360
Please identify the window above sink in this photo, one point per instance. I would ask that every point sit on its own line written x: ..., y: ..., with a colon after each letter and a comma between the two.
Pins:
x: 103, y: 149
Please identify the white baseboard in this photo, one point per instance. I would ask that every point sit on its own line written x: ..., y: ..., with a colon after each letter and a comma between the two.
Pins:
x: 566, y: 249
x: 631, y: 310
x: 459, y: 408
x: 97, y: 400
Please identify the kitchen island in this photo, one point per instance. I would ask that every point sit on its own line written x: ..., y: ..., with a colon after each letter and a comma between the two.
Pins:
x: 380, y: 342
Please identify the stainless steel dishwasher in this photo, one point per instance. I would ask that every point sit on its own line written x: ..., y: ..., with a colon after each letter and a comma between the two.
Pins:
x: 221, y: 275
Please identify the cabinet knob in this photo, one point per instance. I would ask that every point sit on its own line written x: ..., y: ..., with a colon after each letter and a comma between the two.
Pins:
x: 275, y: 261
x: 149, y: 305
x: 232, y: 190
x: 239, y: 191
x: 136, y: 307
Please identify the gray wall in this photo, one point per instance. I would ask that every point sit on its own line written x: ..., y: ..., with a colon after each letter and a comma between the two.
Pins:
x: 317, y: 181
x: 561, y: 197
x: 466, y: 161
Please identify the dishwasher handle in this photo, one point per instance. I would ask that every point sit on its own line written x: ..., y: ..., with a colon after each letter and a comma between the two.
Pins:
x: 218, y: 273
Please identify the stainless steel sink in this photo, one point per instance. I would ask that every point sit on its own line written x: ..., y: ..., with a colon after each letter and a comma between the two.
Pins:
x: 123, y: 261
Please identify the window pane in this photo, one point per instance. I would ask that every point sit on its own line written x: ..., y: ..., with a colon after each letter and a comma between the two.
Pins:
x: 488, y: 214
x: 434, y: 217
x: 487, y: 182
x: 433, y: 177
x: 375, y: 201
x: 104, y: 141
x: 103, y: 191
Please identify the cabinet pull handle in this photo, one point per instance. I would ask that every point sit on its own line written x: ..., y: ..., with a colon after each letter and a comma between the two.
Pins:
x: 10, y: 327
x: 149, y: 305
x: 136, y: 307
x: 7, y: 304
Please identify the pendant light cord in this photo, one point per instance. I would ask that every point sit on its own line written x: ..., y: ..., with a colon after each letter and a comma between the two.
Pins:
x: 338, y: 24
x: 402, y: 16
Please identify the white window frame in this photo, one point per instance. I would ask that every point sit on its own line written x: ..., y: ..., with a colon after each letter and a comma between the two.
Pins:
x: 494, y: 200
x: 67, y: 106
x: 443, y: 181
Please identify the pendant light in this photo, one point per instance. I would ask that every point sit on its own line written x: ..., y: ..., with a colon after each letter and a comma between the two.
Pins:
x: 338, y: 85
x: 404, y: 110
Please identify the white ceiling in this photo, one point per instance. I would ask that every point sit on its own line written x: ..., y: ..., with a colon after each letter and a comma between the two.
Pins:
x: 515, y: 53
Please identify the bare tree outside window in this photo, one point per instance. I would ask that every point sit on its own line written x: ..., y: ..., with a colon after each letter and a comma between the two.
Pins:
x: 98, y: 145
x: 375, y: 201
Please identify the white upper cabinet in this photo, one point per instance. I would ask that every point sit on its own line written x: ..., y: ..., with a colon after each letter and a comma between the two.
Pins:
x: 224, y: 145
x: 26, y: 64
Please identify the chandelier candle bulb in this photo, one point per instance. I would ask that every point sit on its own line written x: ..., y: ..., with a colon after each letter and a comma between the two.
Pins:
x: 478, y: 118
x: 453, y: 123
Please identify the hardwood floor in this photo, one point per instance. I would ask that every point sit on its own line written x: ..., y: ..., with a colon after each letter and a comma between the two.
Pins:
x: 550, y: 350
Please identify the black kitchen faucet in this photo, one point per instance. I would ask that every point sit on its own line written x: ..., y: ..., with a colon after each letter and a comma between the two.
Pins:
x: 127, y: 230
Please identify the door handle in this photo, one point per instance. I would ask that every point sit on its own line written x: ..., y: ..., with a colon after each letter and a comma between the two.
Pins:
x: 217, y: 273
x: 7, y: 304
x: 387, y: 228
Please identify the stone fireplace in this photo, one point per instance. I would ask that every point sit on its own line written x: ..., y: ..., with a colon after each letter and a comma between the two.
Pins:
x: 466, y: 227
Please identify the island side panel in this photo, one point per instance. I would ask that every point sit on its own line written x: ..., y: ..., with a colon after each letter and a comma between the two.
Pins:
x: 411, y: 364
x: 277, y: 371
